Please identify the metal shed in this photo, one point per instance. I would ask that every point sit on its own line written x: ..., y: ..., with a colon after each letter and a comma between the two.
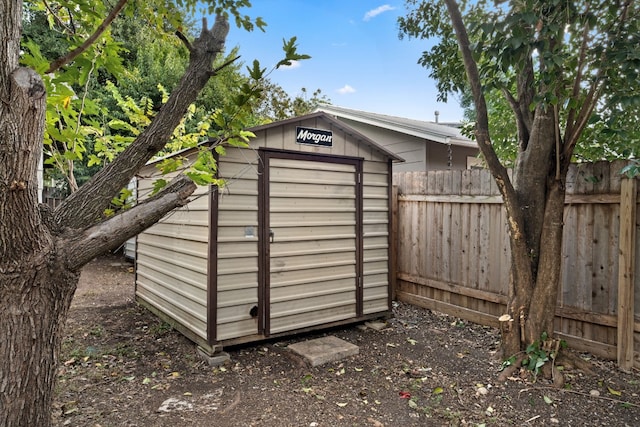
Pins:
x: 298, y: 239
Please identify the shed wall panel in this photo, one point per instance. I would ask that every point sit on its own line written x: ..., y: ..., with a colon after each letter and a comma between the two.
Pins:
x: 236, y: 282
x: 375, y: 237
x: 171, y: 259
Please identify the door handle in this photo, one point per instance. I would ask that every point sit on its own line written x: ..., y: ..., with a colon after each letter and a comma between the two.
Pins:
x: 271, y: 235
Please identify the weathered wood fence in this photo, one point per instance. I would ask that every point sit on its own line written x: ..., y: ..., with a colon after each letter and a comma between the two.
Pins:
x: 452, y: 253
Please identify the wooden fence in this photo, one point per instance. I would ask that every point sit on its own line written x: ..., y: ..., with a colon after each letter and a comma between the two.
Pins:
x: 452, y: 253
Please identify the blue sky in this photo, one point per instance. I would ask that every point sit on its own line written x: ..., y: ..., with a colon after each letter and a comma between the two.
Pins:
x: 357, y: 61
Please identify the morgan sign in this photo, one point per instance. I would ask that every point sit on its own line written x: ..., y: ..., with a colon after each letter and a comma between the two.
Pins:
x: 319, y: 137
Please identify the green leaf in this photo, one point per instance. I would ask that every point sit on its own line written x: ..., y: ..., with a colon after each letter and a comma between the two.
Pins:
x: 158, y: 185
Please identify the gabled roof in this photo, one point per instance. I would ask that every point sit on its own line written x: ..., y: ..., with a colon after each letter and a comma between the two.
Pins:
x: 336, y: 123
x: 440, y: 133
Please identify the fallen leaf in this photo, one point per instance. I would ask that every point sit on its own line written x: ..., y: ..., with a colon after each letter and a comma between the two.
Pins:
x: 146, y: 380
x: 307, y: 389
x: 413, y: 404
x: 411, y: 341
x: 614, y: 392
x: 342, y: 405
x: 391, y: 345
x: 186, y: 393
x: 405, y: 395
x: 547, y: 400
x: 438, y: 390
x: 358, y: 369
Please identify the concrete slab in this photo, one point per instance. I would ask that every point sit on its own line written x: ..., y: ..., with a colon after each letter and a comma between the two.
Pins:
x: 323, y: 350
x: 376, y: 326
x: 216, y: 359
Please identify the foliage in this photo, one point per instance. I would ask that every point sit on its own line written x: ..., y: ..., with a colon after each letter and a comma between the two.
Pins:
x: 105, y: 98
x: 569, y: 74
x: 276, y: 104
x: 511, y: 34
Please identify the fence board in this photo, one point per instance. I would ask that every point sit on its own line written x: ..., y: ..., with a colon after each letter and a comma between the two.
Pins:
x: 453, y: 252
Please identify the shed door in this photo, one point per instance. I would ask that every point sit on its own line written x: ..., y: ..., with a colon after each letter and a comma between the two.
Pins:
x: 312, y: 217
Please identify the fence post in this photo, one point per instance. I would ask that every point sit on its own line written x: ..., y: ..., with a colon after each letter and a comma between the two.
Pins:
x: 626, y: 269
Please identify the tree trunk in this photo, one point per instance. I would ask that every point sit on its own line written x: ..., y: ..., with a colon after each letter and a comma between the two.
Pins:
x: 539, y: 186
x: 35, y: 290
x: 42, y: 252
x: 36, y: 300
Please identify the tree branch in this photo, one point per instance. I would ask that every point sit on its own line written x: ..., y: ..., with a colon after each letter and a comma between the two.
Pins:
x: 482, y: 117
x: 184, y: 40
x: 225, y: 65
x: 82, y: 247
x: 574, y: 128
x: 85, y: 206
x: 523, y: 132
x: 56, y: 17
x: 578, y: 81
x: 515, y: 218
x: 88, y: 42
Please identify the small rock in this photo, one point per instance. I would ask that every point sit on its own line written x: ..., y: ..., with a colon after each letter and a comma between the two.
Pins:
x: 594, y: 393
x: 483, y: 391
x: 554, y: 421
x: 172, y: 404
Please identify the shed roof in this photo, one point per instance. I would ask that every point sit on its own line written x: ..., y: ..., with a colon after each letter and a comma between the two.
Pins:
x: 336, y: 123
x: 440, y: 133
x: 340, y: 125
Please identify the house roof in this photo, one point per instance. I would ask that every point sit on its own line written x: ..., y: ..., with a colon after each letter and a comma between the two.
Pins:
x: 336, y: 123
x: 440, y: 133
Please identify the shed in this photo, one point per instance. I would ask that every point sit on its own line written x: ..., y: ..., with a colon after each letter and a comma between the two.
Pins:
x: 424, y: 145
x: 298, y: 239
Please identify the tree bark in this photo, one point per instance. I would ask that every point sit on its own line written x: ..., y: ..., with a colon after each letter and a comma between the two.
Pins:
x: 42, y: 252
x: 533, y: 200
x: 85, y: 206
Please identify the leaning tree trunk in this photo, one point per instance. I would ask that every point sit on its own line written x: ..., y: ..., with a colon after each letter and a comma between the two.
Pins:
x: 42, y: 252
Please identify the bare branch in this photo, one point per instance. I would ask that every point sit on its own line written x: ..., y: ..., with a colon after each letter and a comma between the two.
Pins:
x: 575, y: 127
x: 578, y: 82
x: 56, y: 17
x: 225, y: 65
x: 184, y: 40
x: 515, y: 217
x: 523, y: 131
x: 482, y: 117
x: 87, y: 43
x: 82, y: 247
x: 85, y: 206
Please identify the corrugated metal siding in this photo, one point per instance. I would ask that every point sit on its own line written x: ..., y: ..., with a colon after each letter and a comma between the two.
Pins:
x: 237, y: 264
x: 375, y: 236
x: 312, y: 213
x: 171, y: 261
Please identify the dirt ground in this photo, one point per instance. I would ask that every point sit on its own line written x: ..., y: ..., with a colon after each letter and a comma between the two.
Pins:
x: 121, y: 366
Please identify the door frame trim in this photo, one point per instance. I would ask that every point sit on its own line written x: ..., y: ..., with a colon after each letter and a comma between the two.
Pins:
x: 264, y: 270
